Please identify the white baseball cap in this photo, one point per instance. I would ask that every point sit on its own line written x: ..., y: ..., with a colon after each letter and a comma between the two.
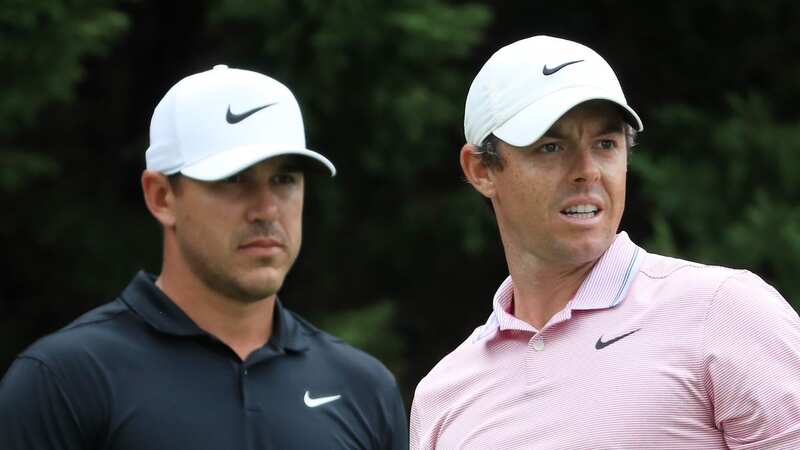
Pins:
x: 525, y: 87
x: 216, y: 123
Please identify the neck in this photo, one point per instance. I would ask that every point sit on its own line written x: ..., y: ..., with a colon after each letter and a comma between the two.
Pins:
x: 242, y: 326
x: 542, y: 289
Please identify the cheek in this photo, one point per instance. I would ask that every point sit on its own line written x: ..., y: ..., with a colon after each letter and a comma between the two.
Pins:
x: 293, y: 219
x: 528, y: 197
x: 621, y: 179
x: 294, y: 227
x: 196, y: 232
x: 616, y: 188
x: 615, y: 172
x: 205, y: 225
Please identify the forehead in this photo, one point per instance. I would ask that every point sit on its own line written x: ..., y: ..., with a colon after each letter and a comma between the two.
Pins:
x: 280, y: 163
x: 600, y: 114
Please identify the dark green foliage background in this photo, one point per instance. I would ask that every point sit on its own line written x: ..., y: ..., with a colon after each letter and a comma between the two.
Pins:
x: 400, y: 257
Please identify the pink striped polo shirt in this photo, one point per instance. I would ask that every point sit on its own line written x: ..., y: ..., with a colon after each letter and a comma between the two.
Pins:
x: 651, y: 353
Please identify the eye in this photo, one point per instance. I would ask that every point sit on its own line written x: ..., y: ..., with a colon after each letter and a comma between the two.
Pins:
x: 607, y: 144
x: 550, y: 147
x: 282, y: 179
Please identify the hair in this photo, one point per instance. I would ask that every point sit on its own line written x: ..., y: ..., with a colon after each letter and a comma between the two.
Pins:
x: 490, y: 155
x: 487, y: 151
x: 175, y: 181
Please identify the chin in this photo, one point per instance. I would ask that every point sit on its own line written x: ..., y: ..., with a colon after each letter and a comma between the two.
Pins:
x: 584, y: 248
x: 265, y: 280
x: 251, y: 287
x: 251, y: 294
x: 593, y: 249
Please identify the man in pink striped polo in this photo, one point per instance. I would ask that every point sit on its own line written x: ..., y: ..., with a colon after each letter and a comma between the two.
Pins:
x: 593, y: 343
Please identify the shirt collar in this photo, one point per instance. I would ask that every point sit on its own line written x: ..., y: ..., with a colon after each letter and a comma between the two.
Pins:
x: 288, y: 331
x: 605, y: 287
x: 610, y: 279
x: 159, y: 311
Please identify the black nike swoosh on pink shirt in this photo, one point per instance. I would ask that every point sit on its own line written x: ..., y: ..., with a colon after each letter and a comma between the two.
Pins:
x: 599, y: 345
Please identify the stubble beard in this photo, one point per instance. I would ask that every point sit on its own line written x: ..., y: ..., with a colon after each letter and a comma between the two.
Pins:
x: 225, y: 283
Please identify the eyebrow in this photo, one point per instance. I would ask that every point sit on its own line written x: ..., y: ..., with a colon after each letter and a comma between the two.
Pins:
x: 286, y: 161
x: 612, y: 126
x: 293, y: 163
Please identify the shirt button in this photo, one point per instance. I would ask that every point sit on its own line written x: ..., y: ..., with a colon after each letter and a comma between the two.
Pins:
x: 538, y: 344
x: 244, y: 372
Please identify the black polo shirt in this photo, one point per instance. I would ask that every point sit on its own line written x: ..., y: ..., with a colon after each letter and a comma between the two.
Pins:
x: 137, y: 373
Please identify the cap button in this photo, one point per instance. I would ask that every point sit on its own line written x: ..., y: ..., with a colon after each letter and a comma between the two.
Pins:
x: 220, y: 66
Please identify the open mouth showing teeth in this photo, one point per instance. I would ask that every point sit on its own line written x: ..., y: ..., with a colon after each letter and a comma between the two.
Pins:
x: 581, y: 211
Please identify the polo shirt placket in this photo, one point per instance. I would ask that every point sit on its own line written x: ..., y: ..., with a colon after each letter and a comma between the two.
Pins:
x: 604, y: 288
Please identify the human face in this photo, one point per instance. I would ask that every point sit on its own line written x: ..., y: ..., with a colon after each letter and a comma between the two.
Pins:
x: 560, y: 199
x: 239, y: 236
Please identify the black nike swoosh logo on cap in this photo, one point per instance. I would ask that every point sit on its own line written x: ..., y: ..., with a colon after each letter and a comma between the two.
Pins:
x: 236, y: 118
x: 548, y: 71
x: 601, y: 345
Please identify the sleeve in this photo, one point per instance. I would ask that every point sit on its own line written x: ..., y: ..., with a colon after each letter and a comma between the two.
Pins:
x: 398, y: 436
x: 752, y: 365
x: 415, y: 423
x: 35, y: 412
x: 422, y: 437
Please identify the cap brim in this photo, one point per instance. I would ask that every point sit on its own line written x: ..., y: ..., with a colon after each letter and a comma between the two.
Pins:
x: 534, y: 120
x: 227, y: 163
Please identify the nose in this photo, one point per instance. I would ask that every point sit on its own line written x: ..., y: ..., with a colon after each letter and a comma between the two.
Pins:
x: 262, y: 203
x: 585, y: 168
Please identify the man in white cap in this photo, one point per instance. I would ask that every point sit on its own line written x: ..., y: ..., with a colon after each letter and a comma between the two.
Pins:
x: 593, y: 343
x: 204, y: 356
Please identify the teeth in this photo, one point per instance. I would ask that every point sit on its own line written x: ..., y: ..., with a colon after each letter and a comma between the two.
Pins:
x: 581, y: 209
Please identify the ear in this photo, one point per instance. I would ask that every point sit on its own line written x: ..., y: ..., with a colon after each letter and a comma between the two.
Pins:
x: 159, y: 197
x: 478, y: 175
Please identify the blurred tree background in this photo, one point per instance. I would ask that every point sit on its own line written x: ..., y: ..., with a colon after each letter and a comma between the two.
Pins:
x: 400, y: 257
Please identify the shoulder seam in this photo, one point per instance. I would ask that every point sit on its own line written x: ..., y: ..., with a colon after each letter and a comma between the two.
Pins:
x: 59, y: 385
x: 721, y: 284
x: 93, y: 322
x: 659, y: 277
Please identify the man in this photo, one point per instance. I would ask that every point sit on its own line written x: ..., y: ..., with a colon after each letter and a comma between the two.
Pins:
x: 205, y: 356
x: 593, y: 343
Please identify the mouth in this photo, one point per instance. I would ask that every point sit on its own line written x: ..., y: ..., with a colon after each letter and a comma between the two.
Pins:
x: 583, y: 211
x: 262, y: 245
